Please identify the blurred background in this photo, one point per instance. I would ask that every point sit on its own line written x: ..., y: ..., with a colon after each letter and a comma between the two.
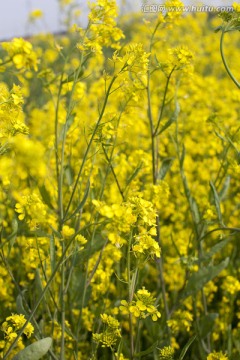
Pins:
x: 27, y: 17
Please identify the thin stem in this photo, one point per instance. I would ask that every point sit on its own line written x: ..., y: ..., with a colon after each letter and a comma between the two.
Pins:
x: 95, y: 224
x: 225, y: 62
x: 63, y: 147
x: 40, y: 299
x: 89, y: 145
x: 150, y: 117
x: 62, y: 294
x: 113, y: 172
x: 20, y: 292
x: 130, y: 294
x: 56, y: 146
x: 154, y: 146
x: 163, y: 102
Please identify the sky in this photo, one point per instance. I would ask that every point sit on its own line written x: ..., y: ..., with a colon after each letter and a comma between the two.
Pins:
x: 14, y: 14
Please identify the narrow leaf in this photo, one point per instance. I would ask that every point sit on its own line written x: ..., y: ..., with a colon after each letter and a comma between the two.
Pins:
x: 52, y: 253
x: 69, y: 174
x: 219, y: 136
x: 82, y: 203
x: 206, y: 324
x: 186, y: 347
x: 46, y: 196
x: 148, y: 351
x: 74, y: 76
x: 194, y: 209
x: 134, y: 174
x: 20, y: 307
x: 34, y: 351
x: 217, y: 29
x: 199, y: 279
x: 12, y: 237
x: 182, y: 156
x: 216, y: 248
x: 224, y: 190
x: 170, y: 121
x: 216, y: 202
x: 166, y: 165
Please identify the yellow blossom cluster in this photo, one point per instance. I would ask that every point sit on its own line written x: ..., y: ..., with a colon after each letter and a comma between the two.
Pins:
x: 21, y: 53
x: 119, y: 201
x: 142, y: 307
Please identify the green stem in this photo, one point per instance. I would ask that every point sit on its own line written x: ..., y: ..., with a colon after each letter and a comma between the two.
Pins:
x: 21, y: 293
x: 155, y: 171
x: 62, y: 295
x: 225, y: 62
x: 113, y: 172
x: 63, y: 146
x: 130, y: 294
x: 40, y: 299
x: 56, y: 147
x: 163, y: 102
x: 89, y: 145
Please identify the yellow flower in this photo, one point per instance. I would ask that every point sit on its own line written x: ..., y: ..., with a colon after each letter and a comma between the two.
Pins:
x: 166, y: 353
x: 67, y: 231
x: 32, y: 208
x: 111, y: 334
x: 21, y: 53
x: 35, y: 14
x: 236, y: 7
x: 182, y: 319
x: 217, y: 356
x: 142, y: 307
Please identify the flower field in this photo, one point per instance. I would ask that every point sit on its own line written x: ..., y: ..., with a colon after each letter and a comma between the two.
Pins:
x: 120, y: 202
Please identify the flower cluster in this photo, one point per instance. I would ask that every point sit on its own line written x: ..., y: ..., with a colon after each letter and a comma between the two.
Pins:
x: 31, y: 208
x: 107, y: 154
x: 217, y: 356
x: 182, y: 319
x: 143, y: 305
x: 145, y: 245
x: 11, y: 116
x: 21, y: 53
x: 166, y: 353
x: 111, y: 332
x: 10, y: 328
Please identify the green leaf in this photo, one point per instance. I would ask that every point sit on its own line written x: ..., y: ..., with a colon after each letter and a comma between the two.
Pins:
x: 34, y: 351
x: 56, y: 233
x: 19, y: 305
x: 69, y: 174
x: 166, y: 164
x: 219, y: 136
x: 46, y: 196
x: 170, y: 121
x: 223, y: 192
x: 216, y: 248
x: 12, y: 237
x: 186, y: 347
x: 182, y: 156
x: 52, y: 253
x: 194, y: 209
x: 199, y: 279
x: 148, y: 351
x: 134, y: 174
x: 206, y: 324
x: 217, y: 203
x: 66, y: 127
x: 217, y: 29
x: 82, y: 203
x: 74, y: 76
